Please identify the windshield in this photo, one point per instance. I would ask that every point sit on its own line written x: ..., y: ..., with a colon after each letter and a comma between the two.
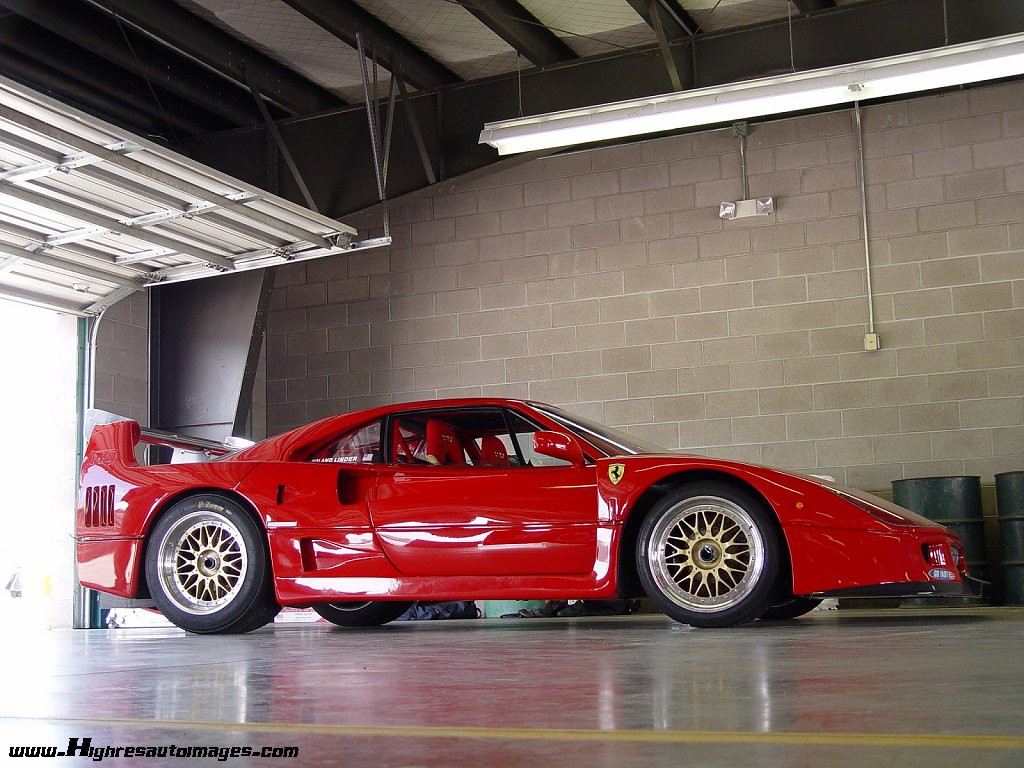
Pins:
x: 610, y: 442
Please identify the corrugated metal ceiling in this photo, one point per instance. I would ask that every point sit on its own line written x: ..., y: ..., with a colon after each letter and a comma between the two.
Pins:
x: 91, y: 211
x: 449, y: 33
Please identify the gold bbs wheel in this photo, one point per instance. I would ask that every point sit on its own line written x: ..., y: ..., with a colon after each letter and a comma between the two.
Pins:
x: 202, y: 562
x: 207, y: 566
x: 708, y: 555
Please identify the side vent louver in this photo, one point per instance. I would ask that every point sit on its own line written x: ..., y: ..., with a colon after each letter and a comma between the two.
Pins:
x: 99, y: 506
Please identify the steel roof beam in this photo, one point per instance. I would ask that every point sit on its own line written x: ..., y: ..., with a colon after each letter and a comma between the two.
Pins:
x: 520, y: 29
x: 96, y: 32
x: 450, y: 119
x: 664, y: 44
x: 676, y: 22
x: 807, y: 6
x: 37, y: 75
x: 344, y: 19
x: 49, y: 63
x: 176, y: 27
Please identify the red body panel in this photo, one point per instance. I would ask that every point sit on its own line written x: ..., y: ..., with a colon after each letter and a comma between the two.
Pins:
x: 343, y: 531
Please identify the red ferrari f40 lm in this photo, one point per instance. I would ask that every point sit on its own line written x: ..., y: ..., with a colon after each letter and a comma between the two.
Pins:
x: 360, y: 514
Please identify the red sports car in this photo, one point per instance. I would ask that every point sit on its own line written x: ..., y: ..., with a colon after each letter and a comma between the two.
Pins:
x: 359, y: 514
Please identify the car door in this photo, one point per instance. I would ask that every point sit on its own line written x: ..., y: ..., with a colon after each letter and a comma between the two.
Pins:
x: 315, y: 508
x: 473, y: 515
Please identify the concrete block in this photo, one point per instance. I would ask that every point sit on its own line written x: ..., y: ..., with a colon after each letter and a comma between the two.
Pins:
x: 678, y: 354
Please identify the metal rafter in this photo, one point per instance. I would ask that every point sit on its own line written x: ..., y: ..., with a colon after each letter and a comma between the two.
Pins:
x: 674, y: 19
x: 49, y: 63
x: 450, y: 119
x: 807, y: 6
x: 664, y: 44
x: 97, y: 32
x: 520, y: 29
x: 176, y: 27
x: 344, y: 19
x: 36, y: 74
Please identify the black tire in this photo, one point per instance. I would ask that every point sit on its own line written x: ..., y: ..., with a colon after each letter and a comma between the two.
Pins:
x: 791, y: 609
x: 708, y: 555
x: 207, y: 567
x: 371, y: 613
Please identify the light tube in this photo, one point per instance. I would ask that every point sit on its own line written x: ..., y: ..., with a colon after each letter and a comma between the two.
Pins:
x: 879, y: 78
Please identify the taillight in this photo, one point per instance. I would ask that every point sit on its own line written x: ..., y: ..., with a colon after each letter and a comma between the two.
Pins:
x: 940, y: 557
x: 935, y: 554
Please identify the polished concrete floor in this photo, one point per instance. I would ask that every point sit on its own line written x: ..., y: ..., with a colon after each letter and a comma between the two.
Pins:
x: 839, y: 688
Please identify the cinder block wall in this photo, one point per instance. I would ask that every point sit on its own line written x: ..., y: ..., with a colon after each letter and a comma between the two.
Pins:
x: 604, y: 281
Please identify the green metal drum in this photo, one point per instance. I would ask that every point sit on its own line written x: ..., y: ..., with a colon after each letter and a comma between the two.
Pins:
x: 1010, y: 508
x: 955, y: 502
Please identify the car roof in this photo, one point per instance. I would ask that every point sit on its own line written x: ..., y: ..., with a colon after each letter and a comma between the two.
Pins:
x: 279, y: 447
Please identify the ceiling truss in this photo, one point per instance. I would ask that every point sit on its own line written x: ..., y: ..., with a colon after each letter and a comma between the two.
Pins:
x: 183, y: 73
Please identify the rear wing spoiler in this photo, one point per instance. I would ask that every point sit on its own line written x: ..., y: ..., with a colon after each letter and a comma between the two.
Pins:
x: 187, y: 449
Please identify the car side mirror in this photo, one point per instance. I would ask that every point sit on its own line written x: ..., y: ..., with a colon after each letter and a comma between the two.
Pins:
x: 558, y: 445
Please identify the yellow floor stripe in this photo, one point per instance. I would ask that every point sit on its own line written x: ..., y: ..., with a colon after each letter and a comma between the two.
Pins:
x: 826, y: 739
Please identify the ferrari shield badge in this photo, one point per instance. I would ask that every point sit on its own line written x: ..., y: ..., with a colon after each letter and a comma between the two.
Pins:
x: 616, y: 472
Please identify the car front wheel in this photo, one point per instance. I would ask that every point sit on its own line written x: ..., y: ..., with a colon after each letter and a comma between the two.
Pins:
x: 708, y: 555
x: 207, y: 569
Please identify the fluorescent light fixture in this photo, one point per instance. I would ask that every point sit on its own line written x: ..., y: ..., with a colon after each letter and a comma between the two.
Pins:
x: 922, y: 71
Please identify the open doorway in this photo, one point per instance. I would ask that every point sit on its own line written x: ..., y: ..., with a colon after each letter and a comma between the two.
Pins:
x: 38, y: 457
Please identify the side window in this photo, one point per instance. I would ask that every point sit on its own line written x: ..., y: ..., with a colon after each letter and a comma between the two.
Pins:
x: 360, y: 446
x: 495, y: 449
x: 409, y: 440
x: 429, y: 438
x: 471, y: 437
x: 523, y: 434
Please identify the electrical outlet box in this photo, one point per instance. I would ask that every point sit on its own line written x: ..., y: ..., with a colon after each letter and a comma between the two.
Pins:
x: 872, y: 341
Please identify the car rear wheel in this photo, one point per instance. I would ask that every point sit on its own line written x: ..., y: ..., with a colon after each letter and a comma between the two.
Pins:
x: 791, y: 609
x: 207, y: 569
x: 708, y: 555
x: 370, y: 613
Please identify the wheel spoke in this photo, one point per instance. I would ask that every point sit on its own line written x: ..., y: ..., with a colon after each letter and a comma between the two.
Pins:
x: 203, y: 562
x: 707, y: 553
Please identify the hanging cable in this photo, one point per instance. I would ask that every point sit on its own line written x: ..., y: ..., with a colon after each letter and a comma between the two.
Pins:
x: 152, y: 91
x: 375, y: 132
x: 789, y: 17
x: 864, y: 215
x: 519, y: 80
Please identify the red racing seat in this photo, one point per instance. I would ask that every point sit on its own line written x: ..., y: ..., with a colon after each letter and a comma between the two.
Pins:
x: 492, y: 452
x: 443, y: 444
